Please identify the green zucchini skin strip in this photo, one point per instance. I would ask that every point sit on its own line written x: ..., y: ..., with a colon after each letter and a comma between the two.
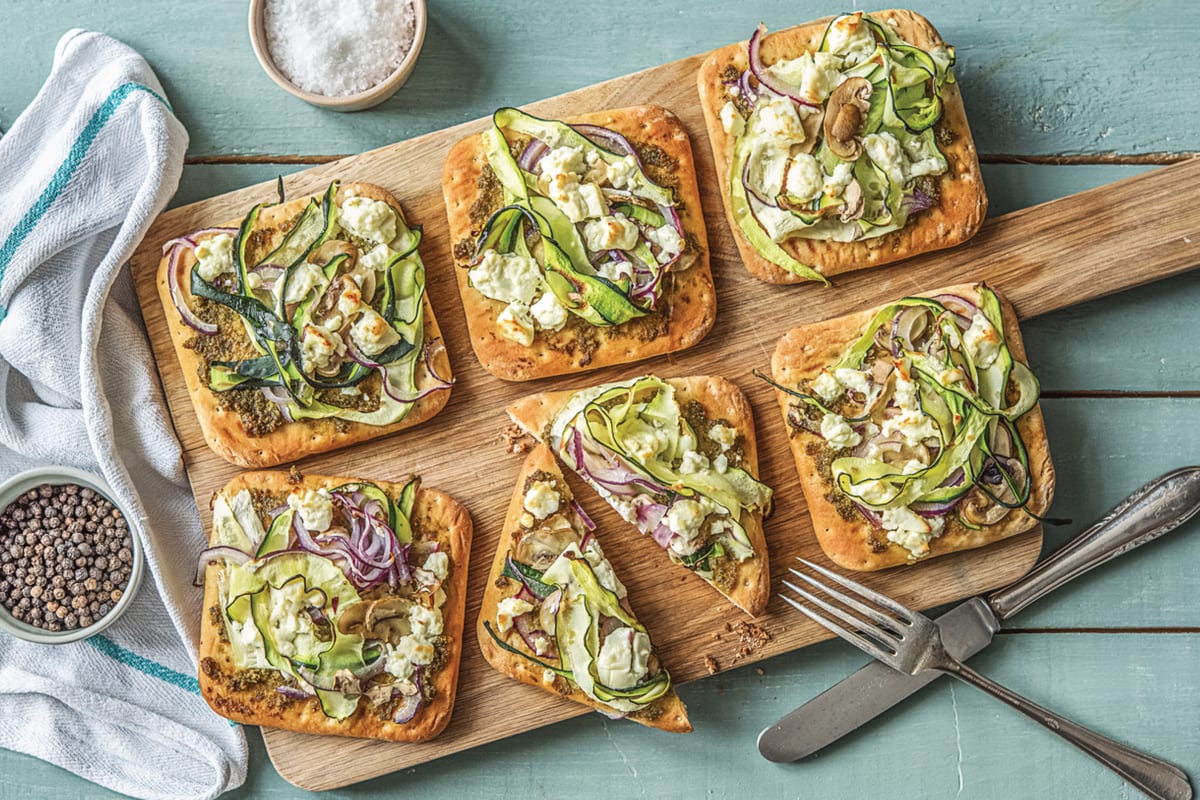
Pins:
x: 900, y: 74
x: 968, y: 447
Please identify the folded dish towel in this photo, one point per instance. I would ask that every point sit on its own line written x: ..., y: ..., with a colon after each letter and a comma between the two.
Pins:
x: 85, y: 170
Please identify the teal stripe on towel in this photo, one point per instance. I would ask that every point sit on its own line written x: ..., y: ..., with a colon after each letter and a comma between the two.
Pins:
x: 152, y: 668
x: 66, y: 171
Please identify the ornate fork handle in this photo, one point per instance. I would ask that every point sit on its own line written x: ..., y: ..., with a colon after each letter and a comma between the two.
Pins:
x: 1153, y: 776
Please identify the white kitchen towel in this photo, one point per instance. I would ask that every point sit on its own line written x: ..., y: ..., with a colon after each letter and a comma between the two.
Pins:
x: 85, y: 170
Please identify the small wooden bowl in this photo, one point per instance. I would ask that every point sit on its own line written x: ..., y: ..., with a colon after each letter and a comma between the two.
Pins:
x: 348, y: 102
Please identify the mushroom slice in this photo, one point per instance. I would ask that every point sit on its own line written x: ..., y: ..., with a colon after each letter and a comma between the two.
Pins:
x: 540, y: 548
x: 333, y: 248
x: 978, y: 509
x: 852, y: 208
x: 387, y: 608
x: 352, y: 618
x: 845, y: 116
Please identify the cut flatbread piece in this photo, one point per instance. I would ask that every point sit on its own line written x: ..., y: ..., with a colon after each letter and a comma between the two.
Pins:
x: 555, y: 615
x: 677, y: 459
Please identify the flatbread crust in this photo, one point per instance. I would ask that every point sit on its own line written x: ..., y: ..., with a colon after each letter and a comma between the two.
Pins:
x: 962, y: 203
x: 223, y: 428
x: 666, y: 713
x: 723, y: 402
x: 802, y: 353
x: 688, y: 307
x: 434, y: 513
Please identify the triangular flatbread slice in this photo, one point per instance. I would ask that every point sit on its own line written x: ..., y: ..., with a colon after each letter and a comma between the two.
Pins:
x: 677, y: 459
x: 554, y: 613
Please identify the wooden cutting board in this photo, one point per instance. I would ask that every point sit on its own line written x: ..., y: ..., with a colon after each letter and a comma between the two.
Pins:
x: 1043, y: 258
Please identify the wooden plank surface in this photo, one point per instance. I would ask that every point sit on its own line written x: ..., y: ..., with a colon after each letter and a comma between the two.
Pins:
x: 1026, y: 254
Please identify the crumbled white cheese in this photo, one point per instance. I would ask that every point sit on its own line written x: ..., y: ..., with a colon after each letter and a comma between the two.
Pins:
x: 372, y: 333
x: 541, y: 500
x: 374, y: 259
x: 908, y: 419
x: 508, y: 608
x: 314, y: 507
x: 692, y: 463
x: 509, y: 278
x: 373, y: 220
x: 318, y: 347
x: 851, y: 38
x: 623, y: 658
x: 827, y: 387
x: 777, y: 117
x: 982, y: 340
x: 731, y: 120
x: 814, y: 74
x: 723, y: 435
x: 836, y: 183
x: 578, y: 201
x: 668, y: 241
x: 884, y: 149
x: 516, y: 323
x: 852, y: 379
x: 305, y: 278
x: 214, y: 256
x: 439, y: 564
x: 685, y: 516
x: 350, y: 298
x: 548, y: 312
x: 645, y: 442
x: 622, y: 174
x: 615, y: 270
x: 616, y: 232
x: 910, y: 530
x: 838, y: 432
x: 603, y: 569
x: 804, y: 178
x: 562, y: 161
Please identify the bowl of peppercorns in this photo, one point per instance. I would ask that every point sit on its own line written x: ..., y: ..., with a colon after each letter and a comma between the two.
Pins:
x: 69, y: 562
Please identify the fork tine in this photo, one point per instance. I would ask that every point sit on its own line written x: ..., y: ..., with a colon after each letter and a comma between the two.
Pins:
x: 864, y: 628
x: 868, y: 646
x: 881, y: 599
x: 892, y: 625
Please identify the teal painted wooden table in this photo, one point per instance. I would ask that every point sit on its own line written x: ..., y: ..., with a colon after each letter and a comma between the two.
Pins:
x: 1061, y: 98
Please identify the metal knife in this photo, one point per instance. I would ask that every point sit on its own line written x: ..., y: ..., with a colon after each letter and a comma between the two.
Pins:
x: 1158, y: 507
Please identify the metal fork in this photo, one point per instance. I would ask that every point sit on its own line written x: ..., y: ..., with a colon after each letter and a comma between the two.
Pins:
x: 910, y: 642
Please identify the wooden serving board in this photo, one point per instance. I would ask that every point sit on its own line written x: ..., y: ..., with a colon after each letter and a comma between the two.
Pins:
x: 1043, y: 258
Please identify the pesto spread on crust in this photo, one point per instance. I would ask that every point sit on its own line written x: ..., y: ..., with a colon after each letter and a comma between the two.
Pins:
x: 572, y: 224
x: 320, y: 316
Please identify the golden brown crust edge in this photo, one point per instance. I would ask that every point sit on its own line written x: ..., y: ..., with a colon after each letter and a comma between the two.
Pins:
x: 691, y: 300
x: 802, y: 353
x: 223, y: 429
x: 721, y: 399
x: 962, y: 204
x: 670, y: 714
x: 250, y: 707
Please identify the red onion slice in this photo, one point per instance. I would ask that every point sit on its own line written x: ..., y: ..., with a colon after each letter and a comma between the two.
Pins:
x: 609, y: 140
x: 293, y: 693
x: 530, y: 634
x: 965, y: 307
x: 223, y: 552
x: 411, y: 703
x: 533, y: 153
x: 189, y: 317
x: 587, y: 521
x: 764, y: 78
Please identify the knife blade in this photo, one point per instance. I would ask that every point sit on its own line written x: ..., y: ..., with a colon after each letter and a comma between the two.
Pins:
x: 1157, y: 508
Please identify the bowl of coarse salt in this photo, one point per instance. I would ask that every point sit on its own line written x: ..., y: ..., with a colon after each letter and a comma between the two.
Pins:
x: 344, y: 55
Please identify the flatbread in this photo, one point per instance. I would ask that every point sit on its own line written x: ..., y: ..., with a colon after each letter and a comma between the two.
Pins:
x: 223, y: 428
x: 962, y: 203
x: 723, y: 402
x: 666, y: 713
x: 688, y: 307
x: 435, y: 514
x: 801, y: 354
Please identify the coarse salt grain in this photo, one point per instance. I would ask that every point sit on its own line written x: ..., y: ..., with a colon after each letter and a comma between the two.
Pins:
x: 338, y: 47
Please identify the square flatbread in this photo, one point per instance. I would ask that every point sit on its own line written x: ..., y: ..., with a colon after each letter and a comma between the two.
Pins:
x: 234, y: 694
x: 849, y: 540
x: 961, y: 205
x: 224, y: 427
x: 688, y: 307
x: 749, y: 585
x: 665, y: 713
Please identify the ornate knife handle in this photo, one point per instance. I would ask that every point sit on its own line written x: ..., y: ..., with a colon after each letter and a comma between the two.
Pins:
x: 1160, y: 506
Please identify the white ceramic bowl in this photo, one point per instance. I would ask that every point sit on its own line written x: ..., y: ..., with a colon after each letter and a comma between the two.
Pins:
x: 350, y: 102
x: 17, y: 485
